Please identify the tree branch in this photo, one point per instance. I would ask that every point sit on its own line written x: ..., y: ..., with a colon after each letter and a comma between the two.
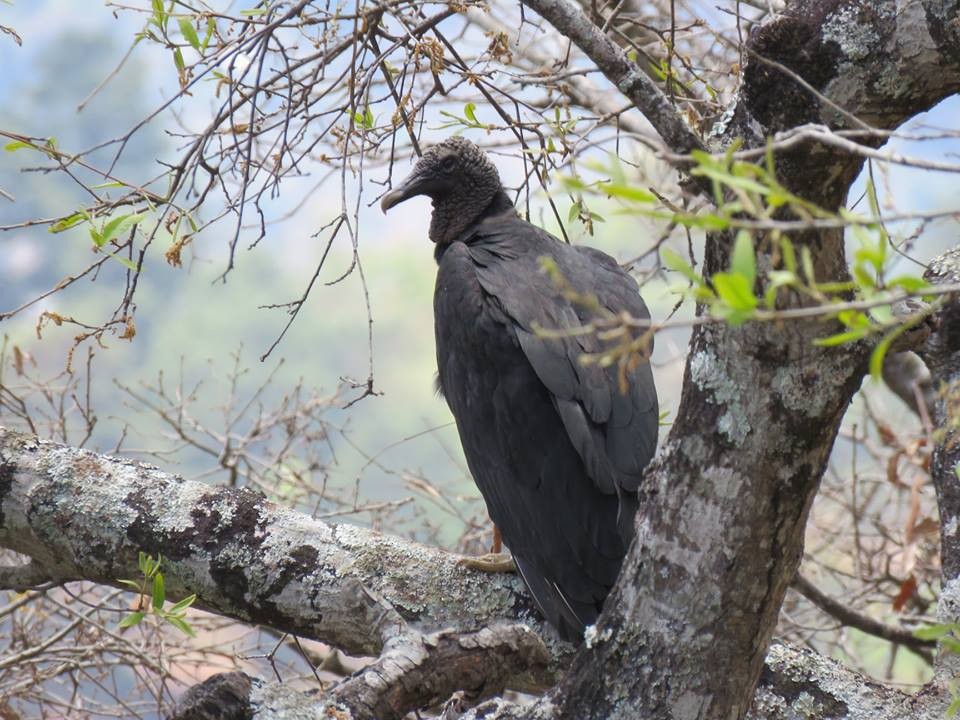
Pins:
x: 613, y: 62
x: 853, y: 619
x: 82, y: 515
x: 436, y: 626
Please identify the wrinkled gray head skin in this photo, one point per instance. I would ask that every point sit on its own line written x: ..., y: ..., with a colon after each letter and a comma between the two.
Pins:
x: 459, y: 178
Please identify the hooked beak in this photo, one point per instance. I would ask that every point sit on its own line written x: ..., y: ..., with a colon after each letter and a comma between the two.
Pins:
x: 413, y: 185
x: 394, y: 197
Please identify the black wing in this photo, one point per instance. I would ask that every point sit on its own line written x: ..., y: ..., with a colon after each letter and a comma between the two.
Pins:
x: 554, y: 447
x: 615, y: 433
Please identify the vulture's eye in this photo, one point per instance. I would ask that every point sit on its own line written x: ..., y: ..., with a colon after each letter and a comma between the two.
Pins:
x: 448, y: 164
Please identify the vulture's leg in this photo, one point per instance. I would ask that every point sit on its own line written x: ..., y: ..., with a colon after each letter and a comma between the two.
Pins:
x: 497, y: 541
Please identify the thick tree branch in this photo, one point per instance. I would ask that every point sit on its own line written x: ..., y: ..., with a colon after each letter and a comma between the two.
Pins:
x: 79, y: 515
x: 417, y: 671
x: 88, y: 515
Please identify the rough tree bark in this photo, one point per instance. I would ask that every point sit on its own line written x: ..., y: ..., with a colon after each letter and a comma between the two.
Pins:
x: 720, y: 533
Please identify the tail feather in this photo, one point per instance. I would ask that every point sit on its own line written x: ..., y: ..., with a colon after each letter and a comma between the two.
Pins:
x: 569, y: 617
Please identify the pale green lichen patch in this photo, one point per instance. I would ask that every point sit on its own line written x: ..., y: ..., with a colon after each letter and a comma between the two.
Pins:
x: 711, y: 375
x: 811, y: 389
x: 854, y: 32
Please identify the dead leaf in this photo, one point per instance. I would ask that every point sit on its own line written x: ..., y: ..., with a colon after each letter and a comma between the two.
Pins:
x: 908, y: 588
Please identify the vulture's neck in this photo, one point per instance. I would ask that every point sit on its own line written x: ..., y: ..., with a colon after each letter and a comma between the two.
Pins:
x: 456, y: 213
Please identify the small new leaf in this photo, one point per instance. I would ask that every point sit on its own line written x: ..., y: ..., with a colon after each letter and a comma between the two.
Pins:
x: 182, y: 605
x: 134, y: 618
x: 67, y: 222
x: 17, y: 145
x: 676, y: 262
x: 189, y: 33
x: 735, y: 291
x: 180, y: 625
x: 744, y: 261
x: 159, y: 591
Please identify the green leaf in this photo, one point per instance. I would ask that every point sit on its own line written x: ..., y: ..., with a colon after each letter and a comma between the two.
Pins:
x: 873, y: 255
x: 871, y: 192
x: 842, y: 338
x: 469, y: 112
x: 882, y: 314
x: 178, y: 59
x: 779, y: 278
x: 735, y: 291
x: 854, y: 319
x: 788, y: 255
x: 732, y: 180
x: 130, y: 583
x: 934, y: 632
x: 189, y: 33
x: 865, y: 280
x: 744, y: 261
x: 126, y: 262
x: 67, y: 222
x: 951, y: 644
x: 708, y: 221
x: 364, y: 119
x: 574, y: 212
x: 134, y: 618
x: 806, y: 259
x: 880, y: 352
x: 211, y: 28
x: 111, y: 184
x: 159, y: 591
x: 627, y: 192
x: 17, y: 145
x: 909, y: 283
x: 182, y: 605
x: 118, y: 224
x: 953, y: 708
x: 150, y: 566
x: 732, y: 316
x: 676, y: 262
x: 180, y: 625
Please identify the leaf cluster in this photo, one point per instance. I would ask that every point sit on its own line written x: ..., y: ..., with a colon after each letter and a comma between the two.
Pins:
x: 152, y: 584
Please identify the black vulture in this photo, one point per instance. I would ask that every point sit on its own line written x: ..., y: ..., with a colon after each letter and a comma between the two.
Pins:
x: 556, y: 446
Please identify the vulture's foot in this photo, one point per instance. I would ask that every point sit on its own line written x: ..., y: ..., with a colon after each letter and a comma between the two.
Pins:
x: 491, y: 562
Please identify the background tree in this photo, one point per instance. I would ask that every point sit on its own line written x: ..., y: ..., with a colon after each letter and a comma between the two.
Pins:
x: 291, y: 96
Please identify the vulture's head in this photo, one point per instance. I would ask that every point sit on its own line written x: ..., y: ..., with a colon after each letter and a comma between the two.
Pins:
x: 460, y: 180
